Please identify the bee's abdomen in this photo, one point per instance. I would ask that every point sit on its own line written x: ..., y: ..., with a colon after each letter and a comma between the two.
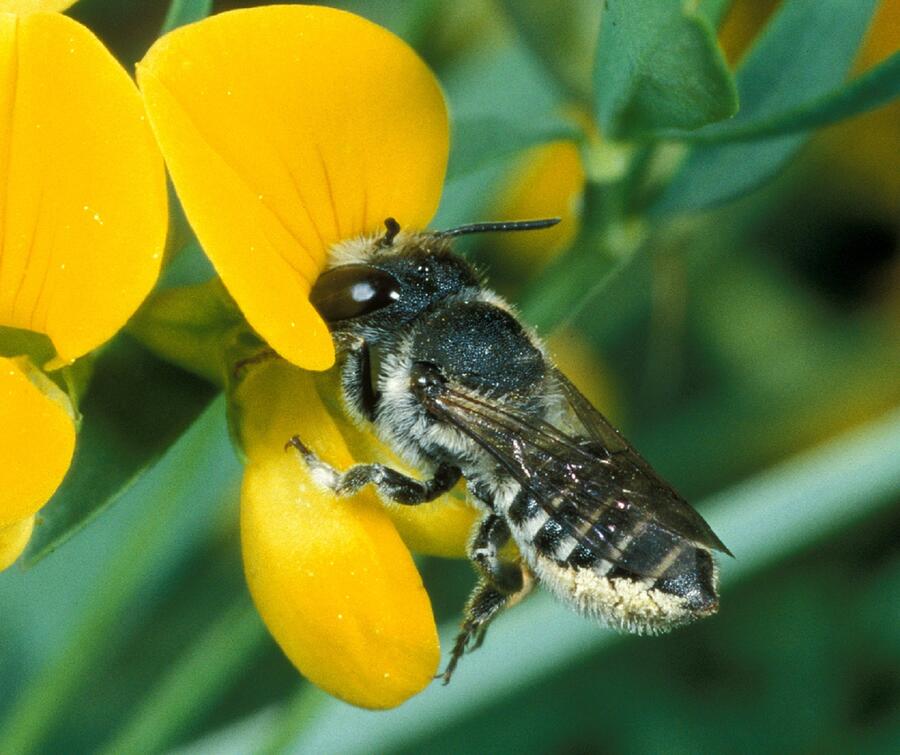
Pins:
x: 629, y: 561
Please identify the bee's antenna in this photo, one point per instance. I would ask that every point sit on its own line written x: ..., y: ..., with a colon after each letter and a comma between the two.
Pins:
x: 510, y: 225
x: 393, y: 228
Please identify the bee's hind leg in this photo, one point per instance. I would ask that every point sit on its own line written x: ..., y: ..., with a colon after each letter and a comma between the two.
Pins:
x: 502, y: 585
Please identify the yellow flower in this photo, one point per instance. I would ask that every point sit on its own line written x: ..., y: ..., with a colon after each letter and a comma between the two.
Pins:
x: 288, y: 129
x: 82, y: 225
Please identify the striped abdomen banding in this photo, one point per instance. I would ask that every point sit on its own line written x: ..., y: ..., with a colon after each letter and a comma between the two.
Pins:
x: 615, y: 542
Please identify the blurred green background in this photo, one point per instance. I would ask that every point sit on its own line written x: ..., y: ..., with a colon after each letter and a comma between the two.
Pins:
x: 745, y: 340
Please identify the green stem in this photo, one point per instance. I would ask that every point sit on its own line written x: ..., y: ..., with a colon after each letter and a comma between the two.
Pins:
x: 606, y: 243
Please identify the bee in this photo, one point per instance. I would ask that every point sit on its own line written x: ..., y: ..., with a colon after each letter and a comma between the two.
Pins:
x: 447, y: 376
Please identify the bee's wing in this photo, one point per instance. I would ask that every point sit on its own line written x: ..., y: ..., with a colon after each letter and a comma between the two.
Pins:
x: 601, y: 497
x: 669, y: 508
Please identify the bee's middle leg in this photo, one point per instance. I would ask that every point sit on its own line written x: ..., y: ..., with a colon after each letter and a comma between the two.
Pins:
x: 392, y: 484
x: 502, y: 585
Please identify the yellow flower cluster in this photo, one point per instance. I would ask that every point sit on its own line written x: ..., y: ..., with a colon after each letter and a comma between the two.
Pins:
x: 82, y: 225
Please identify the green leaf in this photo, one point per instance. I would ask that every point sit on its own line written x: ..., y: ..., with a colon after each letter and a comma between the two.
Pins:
x: 194, y: 680
x: 876, y: 87
x: 116, y: 575
x: 478, y: 142
x: 561, y: 37
x: 715, y: 10
x: 135, y: 408
x: 183, y: 12
x: 659, y: 67
x: 803, y: 54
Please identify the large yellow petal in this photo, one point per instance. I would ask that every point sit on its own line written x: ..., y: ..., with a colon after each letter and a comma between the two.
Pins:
x: 23, y: 7
x: 287, y: 129
x: 331, y: 578
x: 13, y: 539
x: 82, y: 202
x: 37, y: 439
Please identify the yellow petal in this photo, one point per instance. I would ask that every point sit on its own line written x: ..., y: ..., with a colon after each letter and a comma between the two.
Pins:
x: 548, y: 181
x: 331, y: 578
x: 13, y: 539
x: 439, y: 528
x: 37, y: 438
x: 23, y: 7
x: 82, y: 202
x: 287, y: 129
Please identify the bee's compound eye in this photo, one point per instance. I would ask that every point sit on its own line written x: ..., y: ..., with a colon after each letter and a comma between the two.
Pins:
x: 353, y: 291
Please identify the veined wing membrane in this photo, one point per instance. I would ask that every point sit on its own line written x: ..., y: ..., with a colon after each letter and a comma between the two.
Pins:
x: 670, y: 509
x: 596, y: 494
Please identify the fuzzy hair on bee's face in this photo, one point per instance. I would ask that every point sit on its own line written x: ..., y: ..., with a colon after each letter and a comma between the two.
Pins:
x: 374, y: 249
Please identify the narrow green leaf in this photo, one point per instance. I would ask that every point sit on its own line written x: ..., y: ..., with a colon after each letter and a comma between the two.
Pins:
x: 194, y: 681
x: 659, y: 67
x: 479, y: 142
x: 789, y: 65
x: 183, y: 12
x: 876, y: 87
x: 293, y: 719
x: 174, y: 507
x: 717, y: 174
x: 135, y: 408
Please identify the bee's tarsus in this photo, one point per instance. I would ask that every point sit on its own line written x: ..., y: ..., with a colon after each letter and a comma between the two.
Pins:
x: 459, y: 649
x: 298, y: 444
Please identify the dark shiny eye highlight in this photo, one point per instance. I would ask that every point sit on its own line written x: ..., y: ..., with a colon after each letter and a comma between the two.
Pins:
x: 352, y: 291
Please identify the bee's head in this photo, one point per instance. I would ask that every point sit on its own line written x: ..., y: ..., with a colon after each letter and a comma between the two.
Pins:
x: 377, y: 284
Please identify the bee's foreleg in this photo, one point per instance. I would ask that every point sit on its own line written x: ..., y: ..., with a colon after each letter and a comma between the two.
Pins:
x: 393, y: 485
x: 502, y: 584
x: 356, y: 379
